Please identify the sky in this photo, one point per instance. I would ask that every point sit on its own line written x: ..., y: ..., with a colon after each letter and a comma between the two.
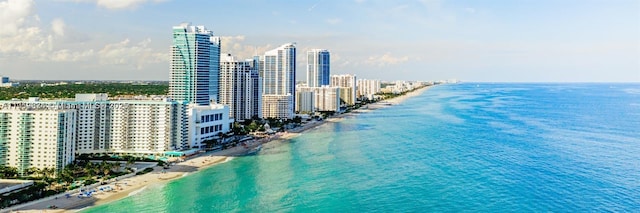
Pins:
x: 480, y: 41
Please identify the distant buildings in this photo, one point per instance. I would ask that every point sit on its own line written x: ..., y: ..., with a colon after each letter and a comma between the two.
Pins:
x: 278, y: 71
x: 367, y: 88
x: 240, y: 87
x: 318, y: 68
x: 194, y: 65
x: 4, y: 82
x: 402, y: 86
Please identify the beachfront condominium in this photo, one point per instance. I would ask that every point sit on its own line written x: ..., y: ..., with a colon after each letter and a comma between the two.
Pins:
x: 349, y: 82
x: 37, y: 138
x: 119, y: 127
x: 367, y: 88
x: 279, y: 75
x: 194, y: 65
x: 318, y: 67
x: 240, y: 87
x: 317, y: 99
x: 277, y: 106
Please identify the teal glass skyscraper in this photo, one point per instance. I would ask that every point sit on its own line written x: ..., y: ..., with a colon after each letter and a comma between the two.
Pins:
x: 195, y: 65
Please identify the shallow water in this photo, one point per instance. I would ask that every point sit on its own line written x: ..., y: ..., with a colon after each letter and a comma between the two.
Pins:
x: 457, y: 147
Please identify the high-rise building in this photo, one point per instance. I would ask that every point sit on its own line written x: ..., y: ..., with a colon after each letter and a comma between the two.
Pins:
x: 279, y: 74
x: 194, y: 66
x: 240, y: 87
x: 318, y: 68
x: 125, y: 127
x: 37, y: 138
x: 348, y: 81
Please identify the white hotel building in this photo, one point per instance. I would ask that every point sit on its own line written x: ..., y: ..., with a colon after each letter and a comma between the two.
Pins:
x: 240, y: 87
x: 35, y: 138
x: 278, y: 71
x: 136, y: 127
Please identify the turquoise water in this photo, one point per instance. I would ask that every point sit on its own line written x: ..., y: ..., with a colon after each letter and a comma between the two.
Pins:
x: 458, y: 147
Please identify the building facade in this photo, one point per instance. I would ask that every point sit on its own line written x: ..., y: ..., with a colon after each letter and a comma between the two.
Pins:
x: 367, y: 88
x: 240, y: 87
x: 278, y: 70
x: 277, y: 106
x: 120, y: 127
x: 323, y: 98
x: 207, y: 123
x: 318, y: 68
x: 348, y: 81
x: 37, y: 138
x: 194, y: 65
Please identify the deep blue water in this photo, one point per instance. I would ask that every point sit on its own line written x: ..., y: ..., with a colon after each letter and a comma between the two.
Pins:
x: 458, y: 147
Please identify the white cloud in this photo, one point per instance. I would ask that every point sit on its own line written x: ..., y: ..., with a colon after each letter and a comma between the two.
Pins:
x: 22, y: 36
x: 57, y: 26
x: 234, y: 45
x: 386, y: 59
x: 66, y: 55
x: 14, y: 14
x: 123, y: 53
x: 334, y: 21
x: 118, y: 4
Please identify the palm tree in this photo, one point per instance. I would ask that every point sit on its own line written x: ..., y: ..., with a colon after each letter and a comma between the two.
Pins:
x: 8, y: 171
x: 47, y: 173
x: 67, y: 174
x: 90, y: 170
x: 130, y: 162
x: 32, y: 171
x: 106, y: 169
x: 116, y: 166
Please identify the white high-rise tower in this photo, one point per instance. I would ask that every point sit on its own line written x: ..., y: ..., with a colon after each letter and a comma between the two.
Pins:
x: 279, y: 82
x: 240, y: 87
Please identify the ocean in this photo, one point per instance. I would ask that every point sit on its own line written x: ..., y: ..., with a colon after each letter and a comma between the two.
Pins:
x: 486, y: 147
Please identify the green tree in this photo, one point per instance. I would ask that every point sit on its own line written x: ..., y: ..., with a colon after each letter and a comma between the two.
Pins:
x: 8, y: 172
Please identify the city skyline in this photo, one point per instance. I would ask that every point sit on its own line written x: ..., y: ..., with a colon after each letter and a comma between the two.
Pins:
x: 539, y: 41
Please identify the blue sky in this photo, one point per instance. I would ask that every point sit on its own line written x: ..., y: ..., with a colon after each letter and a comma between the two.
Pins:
x: 495, y: 40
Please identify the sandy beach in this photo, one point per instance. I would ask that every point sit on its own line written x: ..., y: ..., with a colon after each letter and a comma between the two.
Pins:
x: 159, y: 175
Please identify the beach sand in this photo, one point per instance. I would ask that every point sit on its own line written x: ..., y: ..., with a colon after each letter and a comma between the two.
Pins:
x: 138, y: 183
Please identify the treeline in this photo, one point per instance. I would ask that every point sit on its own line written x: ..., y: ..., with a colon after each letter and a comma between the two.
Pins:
x: 69, y: 90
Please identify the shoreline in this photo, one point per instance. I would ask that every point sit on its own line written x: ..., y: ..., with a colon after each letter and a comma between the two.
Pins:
x: 138, y: 183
